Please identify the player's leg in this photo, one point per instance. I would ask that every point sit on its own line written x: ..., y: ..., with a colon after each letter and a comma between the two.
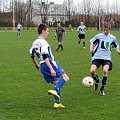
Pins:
x: 17, y: 32
x: 59, y: 43
x: 59, y: 80
x: 83, y: 39
x: 53, y: 92
x: 95, y: 65
x: 63, y: 79
x: 57, y: 103
x: 49, y: 78
x: 56, y: 99
x: 107, y: 65
x: 79, y: 39
x: 61, y: 46
x: 83, y: 43
x: 57, y: 88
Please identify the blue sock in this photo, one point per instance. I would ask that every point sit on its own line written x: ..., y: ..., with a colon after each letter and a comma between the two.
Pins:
x: 59, y: 84
x: 57, y: 100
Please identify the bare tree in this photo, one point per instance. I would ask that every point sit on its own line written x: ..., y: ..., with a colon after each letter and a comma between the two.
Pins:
x: 40, y: 8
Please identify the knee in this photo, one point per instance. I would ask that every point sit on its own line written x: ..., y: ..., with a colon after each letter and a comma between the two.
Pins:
x: 92, y: 71
x: 66, y: 78
x: 105, y: 71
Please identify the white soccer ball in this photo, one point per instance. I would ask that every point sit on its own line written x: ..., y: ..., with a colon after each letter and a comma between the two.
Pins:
x: 87, y: 81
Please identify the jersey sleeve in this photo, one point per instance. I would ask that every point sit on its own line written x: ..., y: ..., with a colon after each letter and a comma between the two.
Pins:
x: 35, y: 49
x: 95, y: 40
x: 32, y: 52
x: 115, y: 43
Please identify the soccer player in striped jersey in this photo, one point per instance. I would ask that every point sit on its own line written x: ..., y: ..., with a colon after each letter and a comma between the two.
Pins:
x: 81, y: 33
x: 100, y: 50
x: 50, y: 69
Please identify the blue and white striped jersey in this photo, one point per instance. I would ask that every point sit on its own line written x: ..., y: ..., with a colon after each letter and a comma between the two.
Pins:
x: 81, y: 29
x: 39, y: 47
x: 103, y: 43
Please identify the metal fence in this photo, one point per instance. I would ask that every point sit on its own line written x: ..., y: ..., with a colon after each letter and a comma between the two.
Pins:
x: 35, y: 28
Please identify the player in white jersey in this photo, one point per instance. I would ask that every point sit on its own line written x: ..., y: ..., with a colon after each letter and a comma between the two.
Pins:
x: 81, y: 33
x: 100, y: 50
x: 19, y: 28
x: 50, y: 69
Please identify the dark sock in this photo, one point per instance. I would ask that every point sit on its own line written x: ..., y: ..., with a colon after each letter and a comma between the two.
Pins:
x: 83, y: 44
x: 104, y: 79
x: 79, y: 42
x: 61, y: 47
x: 58, y: 47
x: 96, y: 78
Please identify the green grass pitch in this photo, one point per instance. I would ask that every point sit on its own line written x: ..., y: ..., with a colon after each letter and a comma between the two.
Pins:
x: 23, y: 91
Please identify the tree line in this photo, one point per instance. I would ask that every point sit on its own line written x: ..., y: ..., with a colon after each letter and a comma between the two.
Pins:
x: 91, y: 12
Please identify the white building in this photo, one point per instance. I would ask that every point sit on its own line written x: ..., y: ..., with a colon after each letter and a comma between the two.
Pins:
x: 49, y: 13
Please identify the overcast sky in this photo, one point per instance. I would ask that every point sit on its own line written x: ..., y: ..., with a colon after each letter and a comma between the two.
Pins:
x: 78, y: 1
x: 56, y: 1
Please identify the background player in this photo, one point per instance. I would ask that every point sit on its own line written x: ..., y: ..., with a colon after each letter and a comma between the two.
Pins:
x: 59, y: 33
x: 19, y: 28
x: 50, y: 69
x: 100, y: 49
x: 81, y: 33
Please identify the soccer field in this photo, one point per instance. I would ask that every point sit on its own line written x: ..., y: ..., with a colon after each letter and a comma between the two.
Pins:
x: 23, y: 91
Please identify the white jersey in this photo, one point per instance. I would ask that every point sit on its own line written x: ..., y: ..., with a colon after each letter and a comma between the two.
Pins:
x: 81, y: 29
x: 40, y: 47
x: 19, y: 26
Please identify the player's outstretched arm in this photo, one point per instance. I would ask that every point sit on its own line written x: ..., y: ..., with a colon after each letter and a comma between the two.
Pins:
x: 53, y: 73
x: 35, y: 63
x: 91, y: 48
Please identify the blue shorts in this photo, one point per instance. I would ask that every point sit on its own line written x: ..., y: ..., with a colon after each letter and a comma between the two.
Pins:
x: 19, y: 30
x: 99, y: 62
x: 47, y: 74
